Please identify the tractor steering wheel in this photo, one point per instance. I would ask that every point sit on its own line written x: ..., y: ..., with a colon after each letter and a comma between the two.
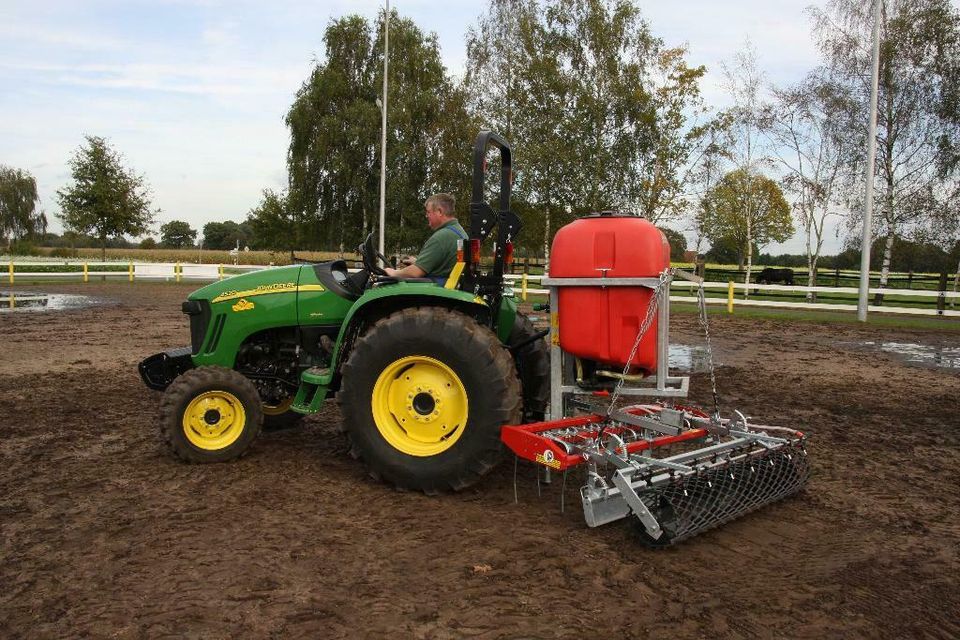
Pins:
x: 370, y: 257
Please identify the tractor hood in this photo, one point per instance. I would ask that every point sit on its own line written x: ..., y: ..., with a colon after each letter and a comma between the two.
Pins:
x: 276, y: 280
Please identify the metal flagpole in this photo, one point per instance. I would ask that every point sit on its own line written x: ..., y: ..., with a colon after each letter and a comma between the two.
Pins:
x: 383, y: 140
x: 871, y: 159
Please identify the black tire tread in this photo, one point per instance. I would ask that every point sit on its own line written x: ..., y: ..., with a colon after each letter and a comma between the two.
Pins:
x: 182, y: 390
x: 492, y: 361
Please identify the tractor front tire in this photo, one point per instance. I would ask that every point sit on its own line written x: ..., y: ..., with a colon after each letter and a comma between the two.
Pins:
x: 425, y: 392
x: 210, y: 414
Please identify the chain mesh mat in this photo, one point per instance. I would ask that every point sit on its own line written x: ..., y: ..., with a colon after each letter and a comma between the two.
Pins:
x: 721, y: 494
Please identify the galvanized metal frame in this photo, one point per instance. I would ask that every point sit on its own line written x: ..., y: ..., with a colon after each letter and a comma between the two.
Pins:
x: 664, y: 385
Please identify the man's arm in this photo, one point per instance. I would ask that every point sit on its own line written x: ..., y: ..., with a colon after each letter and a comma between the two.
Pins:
x: 409, y: 271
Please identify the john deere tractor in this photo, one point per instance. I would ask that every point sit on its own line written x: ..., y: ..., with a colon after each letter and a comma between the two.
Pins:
x: 425, y: 375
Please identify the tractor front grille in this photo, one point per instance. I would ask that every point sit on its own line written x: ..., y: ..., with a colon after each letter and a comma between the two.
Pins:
x: 199, y: 312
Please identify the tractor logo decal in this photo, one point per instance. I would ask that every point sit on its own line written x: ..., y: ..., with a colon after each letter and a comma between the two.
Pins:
x: 266, y: 289
x: 243, y: 305
x: 546, y: 459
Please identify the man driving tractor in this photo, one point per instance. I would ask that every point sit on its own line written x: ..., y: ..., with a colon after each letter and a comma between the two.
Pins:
x: 439, y: 254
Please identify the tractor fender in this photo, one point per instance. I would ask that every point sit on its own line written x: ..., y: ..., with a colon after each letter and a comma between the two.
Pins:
x: 380, y: 302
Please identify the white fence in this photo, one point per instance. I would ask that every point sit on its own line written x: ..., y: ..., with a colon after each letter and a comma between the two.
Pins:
x: 523, y: 284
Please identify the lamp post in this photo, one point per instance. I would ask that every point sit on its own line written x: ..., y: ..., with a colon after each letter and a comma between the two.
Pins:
x: 864, y: 297
x: 383, y: 124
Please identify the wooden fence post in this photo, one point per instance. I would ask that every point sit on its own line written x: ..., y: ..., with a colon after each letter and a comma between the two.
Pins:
x: 523, y: 287
x: 131, y: 272
x: 86, y: 273
x: 176, y: 272
x: 221, y: 272
x: 11, y: 272
x: 730, y: 296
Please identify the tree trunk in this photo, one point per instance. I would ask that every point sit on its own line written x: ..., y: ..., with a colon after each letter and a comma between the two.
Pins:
x: 546, y: 241
x: 885, y: 268
x: 746, y: 278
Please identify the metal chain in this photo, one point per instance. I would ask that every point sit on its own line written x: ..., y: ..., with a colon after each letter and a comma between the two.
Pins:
x: 705, y: 323
x: 665, y: 277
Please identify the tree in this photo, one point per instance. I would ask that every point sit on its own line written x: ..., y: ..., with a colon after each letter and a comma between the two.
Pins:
x: 918, y: 116
x: 272, y: 223
x: 728, y: 250
x: 148, y: 243
x: 333, y: 159
x: 750, y: 210
x: 744, y: 80
x: 807, y: 125
x: 603, y: 115
x: 226, y: 235
x: 106, y: 199
x: 18, y: 203
x: 678, y: 244
x: 177, y: 234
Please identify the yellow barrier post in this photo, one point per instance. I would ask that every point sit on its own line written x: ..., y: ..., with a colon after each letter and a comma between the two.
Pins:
x: 131, y: 272
x: 86, y: 273
x: 176, y: 271
x: 523, y: 287
x: 730, y: 296
x: 221, y: 272
x: 11, y: 272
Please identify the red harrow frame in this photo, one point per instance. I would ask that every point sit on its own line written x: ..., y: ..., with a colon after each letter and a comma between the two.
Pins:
x: 678, y: 470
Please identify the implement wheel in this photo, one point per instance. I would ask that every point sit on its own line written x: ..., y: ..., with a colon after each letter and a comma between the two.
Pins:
x: 210, y: 414
x: 533, y: 367
x: 424, y: 394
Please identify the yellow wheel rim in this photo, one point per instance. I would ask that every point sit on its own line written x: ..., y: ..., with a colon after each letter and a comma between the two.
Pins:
x: 419, y: 406
x: 214, y: 420
x: 277, y: 409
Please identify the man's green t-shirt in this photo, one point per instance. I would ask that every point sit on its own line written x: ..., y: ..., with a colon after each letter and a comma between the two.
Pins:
x: 439, y: 253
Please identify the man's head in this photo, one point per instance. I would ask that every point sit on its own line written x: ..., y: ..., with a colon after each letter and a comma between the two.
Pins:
x: 439, y: 209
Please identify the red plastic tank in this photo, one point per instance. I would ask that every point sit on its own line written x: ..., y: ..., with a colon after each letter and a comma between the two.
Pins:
x: 601, y: 323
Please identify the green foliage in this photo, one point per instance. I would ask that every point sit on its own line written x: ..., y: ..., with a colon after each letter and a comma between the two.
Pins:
x: 747, y: 210
x: 177, y: 234
x: 148, y: 243
x: 334, y: 154
x: 601, y: 113
x: 678, y: 244
x: 226, y: 235
x: 106, y: 199
x: 729, y: 250
x: 18, y: 201
x: 272, y: 224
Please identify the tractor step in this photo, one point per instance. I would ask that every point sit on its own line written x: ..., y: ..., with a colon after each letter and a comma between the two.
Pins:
x: 679, y: 471
x: 313, y: 390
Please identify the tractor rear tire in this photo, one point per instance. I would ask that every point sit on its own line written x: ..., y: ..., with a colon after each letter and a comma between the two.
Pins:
x: 533, y: 368
x: 210, y: 414
x: 425, y: 392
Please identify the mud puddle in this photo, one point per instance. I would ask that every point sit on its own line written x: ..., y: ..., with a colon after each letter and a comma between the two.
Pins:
x: 690, y: 359
x: 921, y: 355
x: 10, y: 301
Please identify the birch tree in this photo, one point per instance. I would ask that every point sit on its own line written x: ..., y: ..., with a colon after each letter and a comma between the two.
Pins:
x: 918, y: 114
x: 744, y: 83
x: 806, y: 126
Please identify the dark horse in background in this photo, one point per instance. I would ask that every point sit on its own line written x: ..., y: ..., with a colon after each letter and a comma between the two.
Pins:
x: 772, y: 276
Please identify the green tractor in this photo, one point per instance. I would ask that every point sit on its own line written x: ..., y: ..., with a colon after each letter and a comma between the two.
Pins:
x: 425, y: 375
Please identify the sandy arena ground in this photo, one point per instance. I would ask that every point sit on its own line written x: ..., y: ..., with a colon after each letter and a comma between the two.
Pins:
x: 104, y: 534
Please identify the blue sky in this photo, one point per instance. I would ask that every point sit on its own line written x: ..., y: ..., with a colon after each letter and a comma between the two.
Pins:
x: 193, y: 92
